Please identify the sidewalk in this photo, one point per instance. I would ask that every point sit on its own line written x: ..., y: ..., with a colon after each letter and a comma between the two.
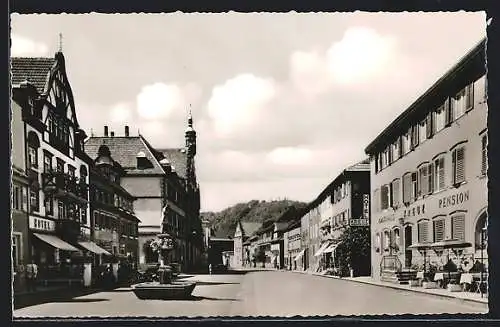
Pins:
x: 464, y: 296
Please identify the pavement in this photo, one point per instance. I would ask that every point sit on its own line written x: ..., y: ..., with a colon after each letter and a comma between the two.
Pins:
x: 257, y: 293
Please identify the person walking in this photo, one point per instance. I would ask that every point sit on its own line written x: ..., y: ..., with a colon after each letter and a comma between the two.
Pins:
x: 31, y: 275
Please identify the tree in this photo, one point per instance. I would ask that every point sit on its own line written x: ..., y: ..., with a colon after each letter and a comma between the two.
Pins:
x: 354, y: 251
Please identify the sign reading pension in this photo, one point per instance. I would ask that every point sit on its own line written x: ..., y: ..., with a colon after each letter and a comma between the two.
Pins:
x: 359, y: 222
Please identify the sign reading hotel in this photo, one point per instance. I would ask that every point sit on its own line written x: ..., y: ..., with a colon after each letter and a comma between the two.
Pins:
x: 366, y: 206
x: 454, y: 199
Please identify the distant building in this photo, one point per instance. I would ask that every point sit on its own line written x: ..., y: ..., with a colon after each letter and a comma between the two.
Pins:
x: 167, y: 194
x: 293, y: 251
x: 428, y: 176
x: 243, y: 231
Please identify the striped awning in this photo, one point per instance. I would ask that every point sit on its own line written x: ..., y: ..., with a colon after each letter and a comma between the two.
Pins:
x: 301, y: 253
x: 332, y: 247
x: 94, y: 248
x: 322, y: 249
x: 56, y: 242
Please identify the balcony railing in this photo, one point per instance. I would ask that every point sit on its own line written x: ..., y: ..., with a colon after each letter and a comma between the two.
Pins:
x: 61, y: 184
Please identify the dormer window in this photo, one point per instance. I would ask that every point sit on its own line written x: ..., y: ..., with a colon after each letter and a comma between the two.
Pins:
x: 142, y: 161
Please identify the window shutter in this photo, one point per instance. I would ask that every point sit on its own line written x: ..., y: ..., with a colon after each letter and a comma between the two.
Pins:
x: 439, y: 230
x: 430, y: 179
x: 400, y: 147
x: 429, y: 125
x: 395, y: 193
x: 384, y: 197
x: 448, y: 107
x: 459, y: 164
x: 414, y: 188
x: 423, y: 230
x: 407, y: 188
x: 391, y: 196
x: 484, y: 155
x: 24, y: 199
x: 470, y: 96
x: 458, y: 227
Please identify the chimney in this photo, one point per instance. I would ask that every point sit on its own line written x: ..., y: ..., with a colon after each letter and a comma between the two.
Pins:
x: 127, y: 133
x: 112, y: 134
x: 106, y: 131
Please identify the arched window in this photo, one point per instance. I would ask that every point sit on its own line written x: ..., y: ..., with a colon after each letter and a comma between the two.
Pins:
x: 83, y: 173
x: 387, y: 240
x: 396, y: 239
x: 377, y: 240
x: 481, y: 232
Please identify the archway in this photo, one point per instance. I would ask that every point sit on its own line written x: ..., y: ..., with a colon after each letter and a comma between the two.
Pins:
x: 408, y: 241
x: 481, y: 232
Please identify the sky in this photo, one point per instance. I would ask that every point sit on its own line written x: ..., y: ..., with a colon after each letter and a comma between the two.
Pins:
x: 281, y: 103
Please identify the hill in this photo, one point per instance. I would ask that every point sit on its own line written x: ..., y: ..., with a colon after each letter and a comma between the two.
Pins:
x: 224, y: 222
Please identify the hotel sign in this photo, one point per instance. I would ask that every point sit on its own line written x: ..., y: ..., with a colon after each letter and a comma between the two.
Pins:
x: 451, y: 200
x: 359, y: 222
x: 366, y: 206
x: 42, y: 224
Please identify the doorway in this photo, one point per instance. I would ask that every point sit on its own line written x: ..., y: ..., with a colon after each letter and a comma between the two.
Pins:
x: 408, y: 242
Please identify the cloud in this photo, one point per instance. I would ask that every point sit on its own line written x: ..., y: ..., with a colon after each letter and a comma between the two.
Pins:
x: 239, y: 102
x: 22, y: 46
x: 290, y: 156
x: 121, y: 112
x: 160, y: 100
x: 359, y: 56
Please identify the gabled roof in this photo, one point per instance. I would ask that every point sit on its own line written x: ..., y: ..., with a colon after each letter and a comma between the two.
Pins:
x: 360, y: 166
x: 34, y: 70
x: 178, y: 158
x: 125, y: 150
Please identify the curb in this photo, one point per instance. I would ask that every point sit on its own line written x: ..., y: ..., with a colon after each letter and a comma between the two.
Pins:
x: 476, y: 301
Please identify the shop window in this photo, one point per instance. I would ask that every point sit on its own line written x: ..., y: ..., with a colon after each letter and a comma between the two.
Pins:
x: 458, y: 227
x: 439, y: 229
x: 458, y: 163
x: 423, y: 231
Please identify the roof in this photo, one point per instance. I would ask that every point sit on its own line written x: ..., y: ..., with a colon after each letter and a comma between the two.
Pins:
x: 467, y: 62
x: 249, y: 227
x: 125, y: 150
x: 360, y: 166
x: 177, y: 158
x: 34, y: 70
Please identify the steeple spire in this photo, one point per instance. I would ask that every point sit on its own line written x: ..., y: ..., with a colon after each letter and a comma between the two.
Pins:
x: 190, y: 117
x: 60, y: 42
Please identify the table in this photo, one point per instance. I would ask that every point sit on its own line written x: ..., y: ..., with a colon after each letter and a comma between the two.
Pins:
x: 420, y: 275
x: 466, y: 279
x: 439, y: 278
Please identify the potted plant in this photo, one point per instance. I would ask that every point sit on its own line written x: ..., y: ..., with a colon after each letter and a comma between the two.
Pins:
x: 428, y: 281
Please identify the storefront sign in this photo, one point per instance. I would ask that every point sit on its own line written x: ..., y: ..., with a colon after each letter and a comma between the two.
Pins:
x: 42, y: 224
x: 454, y: 199
x: 366, y: 206
x: 415, y: 211
x: 359, y: 222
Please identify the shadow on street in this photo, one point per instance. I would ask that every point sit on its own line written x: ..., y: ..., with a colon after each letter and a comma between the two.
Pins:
x: 199, y: 298
x: 198, y: 283
x: 80, y: 300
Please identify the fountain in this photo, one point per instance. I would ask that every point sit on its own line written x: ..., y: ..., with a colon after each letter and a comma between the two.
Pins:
x: 167, y: 288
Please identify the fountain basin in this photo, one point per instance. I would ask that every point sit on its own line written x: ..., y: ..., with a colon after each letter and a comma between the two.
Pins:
x: 177, y: 290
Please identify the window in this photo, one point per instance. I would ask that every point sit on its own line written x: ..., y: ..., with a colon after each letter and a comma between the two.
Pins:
x: 396, y: 239
x: 34, y: 201
x: 449, y: 111
x: 459, y: 104
x: 71, y: 171
x: 425, y: 175
x: 376, y: 197
x: 429, y: 125
x: 61, y: 212
x: 387, y: 240
x: 469, y: 97
x: 422, y: 133
x: 439, y: 181
x: 458, y: 162
x: 414, y: 136
x: 83, y: 174
x: 47, y: 162
x: 396, y: 150
x: 423, y: 231
x: 458, y: 227
x: 16, y: 250
x: 407, y: 184
x: 60, y: 166
x: 406, y: 143
x: 33, y: 156
x: 440, y: 119
x: 377, y: 240
x: 484, y: 155
x: 414, y: 183
x: 384, y: 200
x: 16, y: 198
x: 49, y: 205
x: 395, y: 194
x: 439, y: 230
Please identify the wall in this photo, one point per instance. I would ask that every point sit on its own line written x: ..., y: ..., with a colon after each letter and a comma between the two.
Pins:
x: 148, y: 211
x: 466, y: 128
x: 142, y: 186
x: 18, y: 154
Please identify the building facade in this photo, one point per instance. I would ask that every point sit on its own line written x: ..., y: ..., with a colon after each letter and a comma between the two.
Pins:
x: 293, y: 247
x: 243, y: 231
x: 167, y: 196
x: 113, y: 221
x: 428, y: 175
x: 56, y: 164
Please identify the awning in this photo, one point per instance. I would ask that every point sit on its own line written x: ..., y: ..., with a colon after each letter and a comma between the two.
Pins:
x: 451, y: 244
x: 420, y: 246
x: 92, y: 247
x: 332, y: 247
x: 56, y: 242
x: 301, y: 253
x: 321, y: 249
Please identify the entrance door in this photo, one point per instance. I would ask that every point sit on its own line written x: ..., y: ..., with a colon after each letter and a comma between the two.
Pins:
x: 408, y: 242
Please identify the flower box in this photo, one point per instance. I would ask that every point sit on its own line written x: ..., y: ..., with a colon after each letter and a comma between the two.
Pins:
x: 429, y: 285
x: 454, y: 288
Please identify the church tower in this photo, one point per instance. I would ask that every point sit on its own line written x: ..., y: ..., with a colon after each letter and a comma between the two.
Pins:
x: 190, y: 136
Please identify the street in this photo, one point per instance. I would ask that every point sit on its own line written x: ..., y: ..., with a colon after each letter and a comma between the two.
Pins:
x: 264, y: 293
